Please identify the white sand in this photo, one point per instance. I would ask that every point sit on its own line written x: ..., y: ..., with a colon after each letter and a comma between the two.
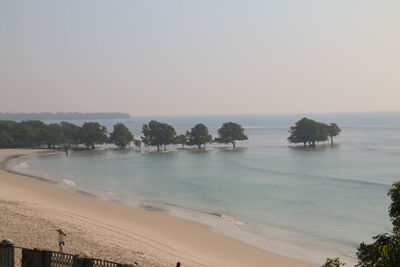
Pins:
x: 31, y: 211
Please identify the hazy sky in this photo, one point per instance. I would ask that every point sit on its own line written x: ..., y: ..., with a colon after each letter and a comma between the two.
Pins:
x: 199, y: 57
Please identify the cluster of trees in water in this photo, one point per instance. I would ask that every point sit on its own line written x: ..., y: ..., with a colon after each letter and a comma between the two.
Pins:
x: 36, y: 133
x: 310, y: 131
x: 162, y: 134
x: 384, y: 251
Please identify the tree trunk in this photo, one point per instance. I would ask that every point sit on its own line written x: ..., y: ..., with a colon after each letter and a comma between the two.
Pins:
x: 158, y: 147
x: 331, y: 140
x: 234, y: 144
x: 305, y: 144
x: 199, y: 146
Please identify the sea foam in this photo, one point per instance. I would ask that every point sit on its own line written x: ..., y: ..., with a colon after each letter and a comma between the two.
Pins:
x: 69, y: 182
x: 22, y: 165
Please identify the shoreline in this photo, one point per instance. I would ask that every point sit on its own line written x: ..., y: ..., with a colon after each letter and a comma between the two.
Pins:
x: 170, y: 238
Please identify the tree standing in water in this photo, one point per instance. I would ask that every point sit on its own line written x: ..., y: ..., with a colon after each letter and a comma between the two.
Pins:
x: 121, y: 136
x: 333, y: 130
x: 199, y: 136
x: 158, y: 134
x: 182, y: 139
x: 231, y: 132
x: 93, y: 133
x: 308, y: 131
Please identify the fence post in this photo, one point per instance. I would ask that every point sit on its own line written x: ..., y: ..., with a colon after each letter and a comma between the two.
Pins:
x: 83, y: 262
x: 36, y: 257
x: 6, y: 254
x: 46, y: 258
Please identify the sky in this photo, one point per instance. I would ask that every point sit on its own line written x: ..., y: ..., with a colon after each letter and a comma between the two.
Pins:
x: 187, y: 57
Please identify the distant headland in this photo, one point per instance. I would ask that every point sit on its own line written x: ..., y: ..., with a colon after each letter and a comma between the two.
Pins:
x: 63, y: 116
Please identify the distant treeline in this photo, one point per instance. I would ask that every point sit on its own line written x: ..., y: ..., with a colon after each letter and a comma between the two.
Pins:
x: 35, y: 133
x: 62, y: 116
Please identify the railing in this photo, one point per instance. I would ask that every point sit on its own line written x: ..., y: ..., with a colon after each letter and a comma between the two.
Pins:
x: 58, y: 259
x: 48, y: 258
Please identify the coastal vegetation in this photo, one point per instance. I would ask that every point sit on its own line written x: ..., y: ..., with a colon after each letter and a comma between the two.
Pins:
x: 309, y: 132
x: 229, y: 133
x: 335, y: 262
x: 333, y: 130
x: 182, y: 139
x: 137, y: 143
x: 93, y: 133
x: 65, y: 135
x: 199, y: 136
x: 71, y: 132
x: 158, y: 134
x: 121, y: 136
x: 35, y: 133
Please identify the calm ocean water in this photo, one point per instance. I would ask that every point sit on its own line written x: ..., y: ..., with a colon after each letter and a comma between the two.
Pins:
x: 305, y: 203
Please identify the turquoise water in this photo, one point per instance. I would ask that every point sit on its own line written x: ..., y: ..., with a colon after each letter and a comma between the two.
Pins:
x: 309, y: 203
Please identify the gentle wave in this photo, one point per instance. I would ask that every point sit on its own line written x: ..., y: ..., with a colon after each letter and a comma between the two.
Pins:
x: 304, y: 175
x: 232, y: 219
x: 22, y: 165
x: 69, y: 182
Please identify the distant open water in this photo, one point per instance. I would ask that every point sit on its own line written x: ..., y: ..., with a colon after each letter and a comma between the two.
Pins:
x: 308, y: 204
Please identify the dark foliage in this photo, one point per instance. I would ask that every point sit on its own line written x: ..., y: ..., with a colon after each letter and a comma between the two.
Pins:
x: 229, y: 133
x: 199, y: 136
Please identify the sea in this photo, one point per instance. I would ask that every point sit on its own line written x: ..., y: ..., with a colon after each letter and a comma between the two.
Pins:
x: 303, y: 203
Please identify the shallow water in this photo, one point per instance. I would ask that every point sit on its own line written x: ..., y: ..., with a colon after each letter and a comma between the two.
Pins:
x: 309, y: 203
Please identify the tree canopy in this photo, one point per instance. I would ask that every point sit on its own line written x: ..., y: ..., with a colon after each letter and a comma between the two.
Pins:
x: 182, y: 139
x: 333, y: 130
x: 7, y: 133
x: 36, y: 133
x: 229, y: 133
x: 30, y: 134
x: 24, y: 134
x: 199, y: 136
x: 137, y: 143
x: 308, y: 131
x: 167, y: 135
x: 53, y: 135
x: 158, y: 134
x: 394, y: 209
x: 121, y: 136
x: 93, y: 133
x: 71, y: 132
x: 333, y: 263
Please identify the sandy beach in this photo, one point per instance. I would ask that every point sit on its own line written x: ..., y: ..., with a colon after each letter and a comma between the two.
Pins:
x: 31, y: 211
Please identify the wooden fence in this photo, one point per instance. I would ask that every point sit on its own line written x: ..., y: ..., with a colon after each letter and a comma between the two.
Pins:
x: 48, y: 258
